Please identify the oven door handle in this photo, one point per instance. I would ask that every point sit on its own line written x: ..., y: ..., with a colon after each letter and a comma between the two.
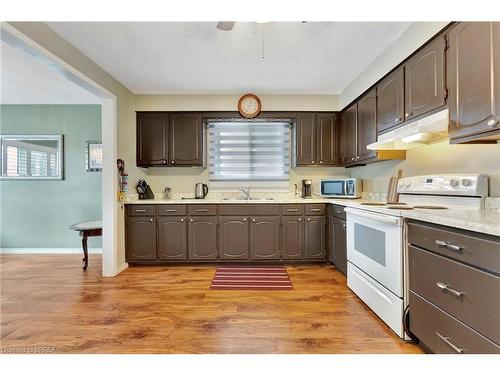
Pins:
x: 387, y: 219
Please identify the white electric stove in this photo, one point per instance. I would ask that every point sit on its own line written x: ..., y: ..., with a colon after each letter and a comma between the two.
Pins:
x: 376, y: 238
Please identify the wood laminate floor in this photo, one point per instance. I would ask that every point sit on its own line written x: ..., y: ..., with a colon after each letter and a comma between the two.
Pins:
x: 48, y: 303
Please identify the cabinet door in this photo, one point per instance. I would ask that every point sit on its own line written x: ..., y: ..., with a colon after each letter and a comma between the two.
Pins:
x: 367, y: 125
x: 424, y: 80
x: 327, y: 139
x: 141, y: 238
x: 265, y: 237
x: 306, y: 139
x: 338, y: 246
x: 315, y: 237
x: 151, y: 142
x: 473, y: 79
x: 348, y: 134
x: 390, y: 103
x: 233, y: 237
x: 292, y: 237
x: 186, y: 139
x: 172, y: 240
x: 203, y: 238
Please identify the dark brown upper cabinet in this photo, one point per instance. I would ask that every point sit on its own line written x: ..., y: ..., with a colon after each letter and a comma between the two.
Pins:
x: 366, y: 125
x: 169, y: 139
x: 317, y: 139
x: 474, y: 81
x: 390, y: 103
x: 425, y: 80
x: 327, y: 139
x: 306, y: 139
x: 152, y: 139
x: 348, y: 135
x: 186, y: 139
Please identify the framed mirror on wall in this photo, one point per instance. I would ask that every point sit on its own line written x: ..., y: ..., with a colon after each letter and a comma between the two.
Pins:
x: 31, y: 157
x: 94, y: 156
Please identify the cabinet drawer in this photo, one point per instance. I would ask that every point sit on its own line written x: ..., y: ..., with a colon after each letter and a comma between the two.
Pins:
x: 443, y: 334
x: 141, y: 210
x: 479, y: 300
x: 249, y: 209
x: 338, y: 211
x: 172, y: 209
x: 203, y: 210
x: 474, y: 248
x: 292, y: 209
x: 315, y: 209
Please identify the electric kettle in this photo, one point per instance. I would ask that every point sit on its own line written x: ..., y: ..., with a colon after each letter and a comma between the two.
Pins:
x: 200, y: 191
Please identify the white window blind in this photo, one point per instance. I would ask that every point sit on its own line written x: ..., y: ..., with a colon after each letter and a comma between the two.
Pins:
x: 22, y: 159
x: 249, y: 151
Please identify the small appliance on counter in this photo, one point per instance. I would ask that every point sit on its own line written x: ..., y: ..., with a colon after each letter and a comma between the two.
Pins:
x: 168, y: 193
x: 200, y: 191
x: 340, y: 188
x: 144, y: 190
x: 307, y: 188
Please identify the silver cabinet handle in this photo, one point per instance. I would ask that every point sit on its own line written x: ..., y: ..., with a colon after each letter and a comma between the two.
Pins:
x: 352, y: 158
x: 191, y: 220
x: 308, y: 219
x: 312, y: 161
x: 447, y: 245
x: 151, y: 220
x: 182, y: 220
x: 492, y: 123
x: 408, y: 114
x: 164, y: 161
x: 140, y: 210
x: 292, y: 209
x: 450, y: 344
x: 321, y: 161
x: 315, y: 209
x: 446, y: 288
x: 172, y: 162
x: 253, y: 220
x: 202, y: 210
x: 170, y: 210
x: 245, y: 219
x: 300, y: 219
x: 343, y: 226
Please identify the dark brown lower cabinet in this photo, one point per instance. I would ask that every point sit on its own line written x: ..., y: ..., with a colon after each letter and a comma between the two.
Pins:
x: 314, y: 245
x: 338, y: 246
x: 141, y: 238
x: 203, y: 238
x: 172, y: 239
x: 292, y: 237
x: 265, y: 237
x: 234, y: 237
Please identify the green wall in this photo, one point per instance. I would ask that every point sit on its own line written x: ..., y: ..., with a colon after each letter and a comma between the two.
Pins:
x: 37, y: 214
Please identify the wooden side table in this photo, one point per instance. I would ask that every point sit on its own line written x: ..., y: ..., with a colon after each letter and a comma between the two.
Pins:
x: 87, y: 229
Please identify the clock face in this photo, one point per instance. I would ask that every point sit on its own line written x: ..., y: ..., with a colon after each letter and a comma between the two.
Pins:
x: 249, y: 106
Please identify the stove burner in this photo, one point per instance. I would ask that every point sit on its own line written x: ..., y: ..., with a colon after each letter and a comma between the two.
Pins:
x: 431, y: 207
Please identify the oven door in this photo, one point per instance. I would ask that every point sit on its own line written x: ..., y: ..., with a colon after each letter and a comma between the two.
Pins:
x: 375, y: 246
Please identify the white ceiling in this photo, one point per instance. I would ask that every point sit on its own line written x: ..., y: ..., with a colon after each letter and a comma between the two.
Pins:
x: 195, y: 57
x: 25, y: 80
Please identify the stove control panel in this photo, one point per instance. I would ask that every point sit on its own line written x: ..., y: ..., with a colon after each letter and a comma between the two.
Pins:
x: 471, y: 185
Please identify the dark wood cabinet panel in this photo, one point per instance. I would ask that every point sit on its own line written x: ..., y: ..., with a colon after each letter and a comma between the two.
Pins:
x: 425, y: 80
x: 292, y: 237
x: 473, y: 80
x: 306, y: 139
x: 234, y: 237
x: 141, y: 238
x: 390, y: 101
x: 152, y: 134
x: 172, y: 239
x: 338, y: 245
x: 186, y: 139
x: 203, y: 238
x: 348, y: 134
x: 327, y: 139
x: 265, y: 237
x: 367, y: 125
x: 314, y: 233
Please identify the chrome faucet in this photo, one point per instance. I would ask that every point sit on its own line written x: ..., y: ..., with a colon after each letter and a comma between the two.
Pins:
x: 246, y: 193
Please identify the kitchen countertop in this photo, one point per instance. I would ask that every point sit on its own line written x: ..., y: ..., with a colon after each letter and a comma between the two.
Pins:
x: 483, y: 221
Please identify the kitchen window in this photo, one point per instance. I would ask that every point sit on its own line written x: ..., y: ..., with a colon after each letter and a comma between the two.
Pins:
x: 243, y: 151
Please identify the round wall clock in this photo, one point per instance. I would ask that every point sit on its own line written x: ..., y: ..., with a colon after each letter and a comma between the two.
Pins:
x: 249, y: 106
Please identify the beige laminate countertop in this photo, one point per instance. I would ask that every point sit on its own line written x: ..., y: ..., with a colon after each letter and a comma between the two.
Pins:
x: 483, y: 221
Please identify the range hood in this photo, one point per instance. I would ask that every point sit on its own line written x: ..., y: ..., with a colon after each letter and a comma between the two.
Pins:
x: 430, y: 129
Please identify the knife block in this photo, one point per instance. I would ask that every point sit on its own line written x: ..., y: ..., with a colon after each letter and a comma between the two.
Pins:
x: 148, y: 194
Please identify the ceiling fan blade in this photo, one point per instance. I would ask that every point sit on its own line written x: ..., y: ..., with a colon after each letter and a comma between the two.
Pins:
x: 225, y: 26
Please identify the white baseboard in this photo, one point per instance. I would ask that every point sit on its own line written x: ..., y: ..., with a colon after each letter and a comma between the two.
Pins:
x: 34, y: 250
x: 122, y: 268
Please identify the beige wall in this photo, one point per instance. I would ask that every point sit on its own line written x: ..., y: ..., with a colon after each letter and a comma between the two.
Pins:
x: 413, y: 37
x: 437, y: 158
x: 182, y: 180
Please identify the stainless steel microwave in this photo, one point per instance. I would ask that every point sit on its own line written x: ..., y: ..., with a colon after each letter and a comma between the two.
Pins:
x: 340, y: 188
